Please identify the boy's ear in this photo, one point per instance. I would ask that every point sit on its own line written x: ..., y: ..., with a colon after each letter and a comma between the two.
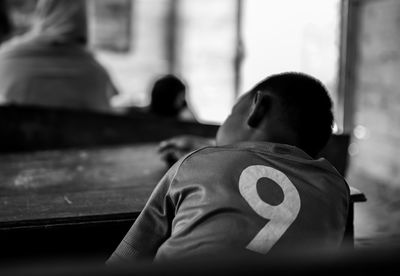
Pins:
x: 259, y: 109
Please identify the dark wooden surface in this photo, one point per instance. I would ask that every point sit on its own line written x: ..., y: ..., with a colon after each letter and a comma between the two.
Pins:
x: 74, y: 183
x: 71, y: 203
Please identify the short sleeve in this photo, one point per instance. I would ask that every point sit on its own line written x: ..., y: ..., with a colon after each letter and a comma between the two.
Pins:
x: 152, y: 227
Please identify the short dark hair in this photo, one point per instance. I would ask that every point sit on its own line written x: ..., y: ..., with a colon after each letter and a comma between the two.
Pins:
x: 164, y: 93
x: 307, y: 108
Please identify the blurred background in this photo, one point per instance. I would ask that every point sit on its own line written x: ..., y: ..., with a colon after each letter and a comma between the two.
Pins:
x: 221, y: 48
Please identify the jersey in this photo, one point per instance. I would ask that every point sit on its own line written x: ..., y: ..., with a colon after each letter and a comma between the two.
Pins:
x: 260, y: 197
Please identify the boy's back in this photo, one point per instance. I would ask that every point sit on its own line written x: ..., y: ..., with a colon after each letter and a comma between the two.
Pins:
x: 256, y: 195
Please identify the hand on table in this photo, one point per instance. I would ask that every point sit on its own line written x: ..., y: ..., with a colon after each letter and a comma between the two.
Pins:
x: 173, y: 149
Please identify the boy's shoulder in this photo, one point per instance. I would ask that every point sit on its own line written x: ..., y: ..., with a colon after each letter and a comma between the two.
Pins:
x: 213, y: 152
x: 249, y: 148
x: 229, y: 157
x: 209, y: 158
x: 249, y: 153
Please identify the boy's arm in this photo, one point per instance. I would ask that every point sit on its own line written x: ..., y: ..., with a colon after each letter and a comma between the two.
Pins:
x: 152, y: 227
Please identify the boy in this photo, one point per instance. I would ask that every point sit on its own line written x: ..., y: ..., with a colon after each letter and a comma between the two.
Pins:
x: 259, y: 190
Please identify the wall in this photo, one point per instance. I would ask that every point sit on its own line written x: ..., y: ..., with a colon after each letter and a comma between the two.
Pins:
x: 135, y: 71
x: 375, y: 151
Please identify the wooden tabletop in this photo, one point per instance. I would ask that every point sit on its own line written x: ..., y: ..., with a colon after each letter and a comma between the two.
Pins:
x: 63, y: 184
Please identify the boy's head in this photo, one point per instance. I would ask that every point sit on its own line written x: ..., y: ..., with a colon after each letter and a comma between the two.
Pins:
x: 288, y: 108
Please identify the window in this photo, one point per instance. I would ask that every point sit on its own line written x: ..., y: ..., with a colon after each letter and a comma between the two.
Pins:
x: 277, y: 36
x: 291, y: 35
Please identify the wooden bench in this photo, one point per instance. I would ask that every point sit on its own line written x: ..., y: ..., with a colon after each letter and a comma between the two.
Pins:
x: 30, y: 128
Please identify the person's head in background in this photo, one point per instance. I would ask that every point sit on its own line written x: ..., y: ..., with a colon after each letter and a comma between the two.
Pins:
x: 288, y: 108
x: 61, y: 21
x: 168, y: 96
x: 5, y: 22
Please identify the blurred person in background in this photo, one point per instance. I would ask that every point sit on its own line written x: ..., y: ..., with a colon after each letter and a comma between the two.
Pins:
x: 168, y: 100
x: 51, y: 66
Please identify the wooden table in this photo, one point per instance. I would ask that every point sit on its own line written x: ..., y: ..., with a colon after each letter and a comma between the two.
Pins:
x: 77, y: 183
x: 48, y: 196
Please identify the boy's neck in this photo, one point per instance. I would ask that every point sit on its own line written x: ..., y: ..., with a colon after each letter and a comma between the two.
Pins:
x: 278, y: 135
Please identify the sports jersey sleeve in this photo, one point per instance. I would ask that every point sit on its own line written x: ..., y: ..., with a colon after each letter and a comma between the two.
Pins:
x: 151, y: 228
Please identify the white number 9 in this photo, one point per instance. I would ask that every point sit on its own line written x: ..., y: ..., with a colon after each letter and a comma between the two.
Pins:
x: 280, y: 216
